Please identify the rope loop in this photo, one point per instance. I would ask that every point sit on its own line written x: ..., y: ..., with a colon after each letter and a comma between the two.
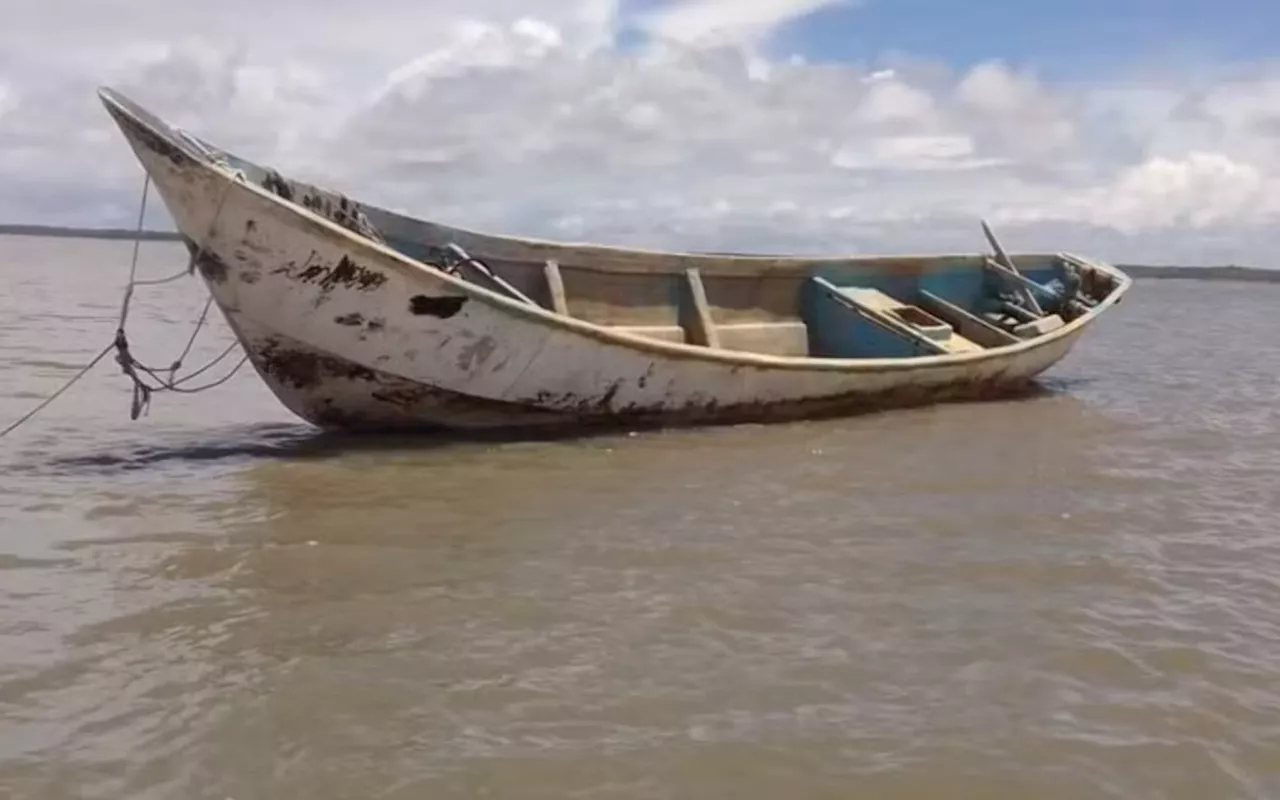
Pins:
x: 138, y: 372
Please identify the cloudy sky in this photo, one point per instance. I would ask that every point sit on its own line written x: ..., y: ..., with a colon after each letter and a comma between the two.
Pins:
x: 1129, y: 129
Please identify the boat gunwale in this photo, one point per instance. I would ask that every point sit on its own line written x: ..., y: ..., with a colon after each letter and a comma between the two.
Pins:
x: 744, y: 358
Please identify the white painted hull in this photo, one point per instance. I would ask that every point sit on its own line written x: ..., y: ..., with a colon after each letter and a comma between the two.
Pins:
x: 350, y: 334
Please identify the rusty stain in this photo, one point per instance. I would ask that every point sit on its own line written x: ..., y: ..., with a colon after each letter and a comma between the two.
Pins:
x: 594, y: 412
x: 212, y: 267
x: 406, y: 396
x: 406, y: 399
x: 346, y: 273
x: 442, y: 307
x: 607, y: 399
x: 304, y: 369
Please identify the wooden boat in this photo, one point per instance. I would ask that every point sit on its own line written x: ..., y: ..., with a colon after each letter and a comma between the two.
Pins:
x: 360, y: 318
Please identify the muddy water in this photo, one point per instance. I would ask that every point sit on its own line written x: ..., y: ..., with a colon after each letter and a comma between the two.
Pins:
x: 1073, y: 596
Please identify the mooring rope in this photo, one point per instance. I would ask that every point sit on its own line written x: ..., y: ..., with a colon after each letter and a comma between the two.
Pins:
x: 45, y: 403
x: 131, y: 366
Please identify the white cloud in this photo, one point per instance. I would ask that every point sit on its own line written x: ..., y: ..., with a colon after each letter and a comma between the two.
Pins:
x: 1201, y: 191
x: 723, y: 21
x: 520, y: 115
x: 888, y: 100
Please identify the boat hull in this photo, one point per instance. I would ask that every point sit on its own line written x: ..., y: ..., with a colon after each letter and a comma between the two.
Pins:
x: 340, y: 394
x: 350, y: 334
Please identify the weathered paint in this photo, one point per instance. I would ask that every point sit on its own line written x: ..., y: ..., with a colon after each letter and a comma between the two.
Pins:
x: 348, y: 332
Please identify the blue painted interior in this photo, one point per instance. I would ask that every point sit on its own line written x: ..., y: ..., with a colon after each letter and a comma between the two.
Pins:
x: 837, y: 331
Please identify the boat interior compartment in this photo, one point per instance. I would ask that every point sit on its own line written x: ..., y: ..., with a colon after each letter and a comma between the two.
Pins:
x: 855, y: 308
x: 852, y: 308
x: 849, y: 307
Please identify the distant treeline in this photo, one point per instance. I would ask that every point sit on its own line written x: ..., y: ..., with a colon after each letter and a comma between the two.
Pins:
x: 1227, y: 273
x: 58, y: 232
x: 1223, y: 273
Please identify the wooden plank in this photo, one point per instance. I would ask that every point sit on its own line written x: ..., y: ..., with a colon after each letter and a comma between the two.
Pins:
x: 789, y: 338
x: 967, y: 325
x: 702, y: 330
x: 555, y: 287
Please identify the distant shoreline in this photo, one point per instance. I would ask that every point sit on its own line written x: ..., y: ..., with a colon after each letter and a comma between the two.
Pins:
x: 1220, y: 273
x: 60, y: 232
x: 1225, y: 273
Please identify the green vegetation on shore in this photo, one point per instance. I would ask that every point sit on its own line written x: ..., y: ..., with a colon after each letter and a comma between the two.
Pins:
x: 1230, y: 272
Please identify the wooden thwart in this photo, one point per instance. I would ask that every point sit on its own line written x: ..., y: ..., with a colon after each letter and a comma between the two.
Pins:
x: 555, y: 287
x: 701, y: 329
x: 779, y: 338
x: 968, y: 325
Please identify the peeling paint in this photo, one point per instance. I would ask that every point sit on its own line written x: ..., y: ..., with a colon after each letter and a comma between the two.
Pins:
x: 150, y: 139
x: 274, y: 182
x: 335, y: 208
x: 357, y: 320
x: 210, y: 265
x: 305, y: 369
x: 442, y: 307
x: 476, y: 354
x: 345, y: 273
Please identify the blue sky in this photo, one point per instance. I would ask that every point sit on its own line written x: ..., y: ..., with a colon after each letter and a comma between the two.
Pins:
x: 1069, y: 40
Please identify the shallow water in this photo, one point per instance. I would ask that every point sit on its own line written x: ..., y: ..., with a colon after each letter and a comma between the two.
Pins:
x: 1072, y: 596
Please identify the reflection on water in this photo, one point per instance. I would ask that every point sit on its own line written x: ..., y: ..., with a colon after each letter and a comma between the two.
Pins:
x: 1068, y: 596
